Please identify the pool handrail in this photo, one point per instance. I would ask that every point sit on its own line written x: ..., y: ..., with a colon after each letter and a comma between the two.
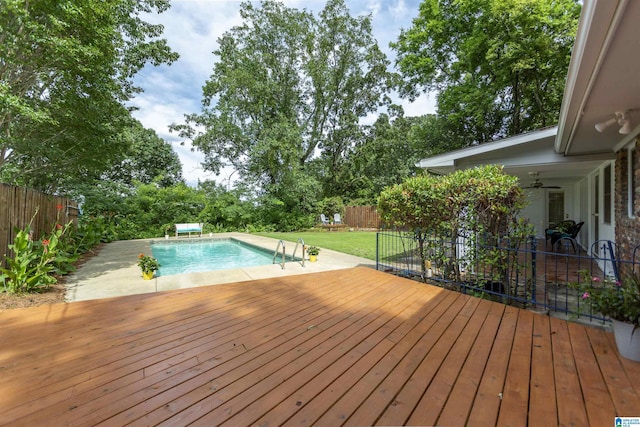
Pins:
x: 281, y: 242
x: 293, y: 257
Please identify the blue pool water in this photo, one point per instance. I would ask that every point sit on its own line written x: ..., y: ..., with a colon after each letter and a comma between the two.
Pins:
x: 207, y: 255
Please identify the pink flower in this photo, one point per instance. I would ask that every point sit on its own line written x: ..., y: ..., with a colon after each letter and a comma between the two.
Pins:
x: 595, y: 279
x: 618, y: 283
x: 585, y: 295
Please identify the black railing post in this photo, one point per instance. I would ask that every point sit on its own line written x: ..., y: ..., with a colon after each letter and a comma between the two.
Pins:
x: 534, y: 247
x: 377, y: 250
x: 614, y: 261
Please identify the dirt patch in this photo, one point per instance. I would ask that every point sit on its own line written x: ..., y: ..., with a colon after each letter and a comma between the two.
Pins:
x: 54, y: 295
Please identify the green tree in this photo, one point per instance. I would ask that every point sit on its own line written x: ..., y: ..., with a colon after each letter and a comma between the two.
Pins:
x: 290, y: 88
x: 386, y: 156
x: 66, y: 69
x: 149, y: 158
x: 225, y: 210
x: 151, y: 209
x: 350, y: 77
x: 145, y: 210
x: 499, y: 65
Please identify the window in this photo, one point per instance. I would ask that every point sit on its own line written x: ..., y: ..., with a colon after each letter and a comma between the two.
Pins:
x: 556, y: 207
x: 607, y: 193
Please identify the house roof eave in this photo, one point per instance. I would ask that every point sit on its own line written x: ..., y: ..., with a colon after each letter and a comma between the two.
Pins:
x: 451, y: 158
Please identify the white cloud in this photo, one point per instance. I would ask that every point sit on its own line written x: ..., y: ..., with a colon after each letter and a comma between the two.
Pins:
x: 374, y: 7
x: 400, y: 11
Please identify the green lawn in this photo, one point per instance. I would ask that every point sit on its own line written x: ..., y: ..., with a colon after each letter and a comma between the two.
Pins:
x: 359, y: 243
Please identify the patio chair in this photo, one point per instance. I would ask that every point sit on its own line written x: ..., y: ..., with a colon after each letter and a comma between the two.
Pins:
x: 561, y: 227
x: 324, y: 219
x: 337, y: 219
x: 555, y: 231
x: 570, y: 234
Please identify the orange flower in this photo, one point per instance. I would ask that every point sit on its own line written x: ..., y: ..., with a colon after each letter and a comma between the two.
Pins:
x: 141, y: 256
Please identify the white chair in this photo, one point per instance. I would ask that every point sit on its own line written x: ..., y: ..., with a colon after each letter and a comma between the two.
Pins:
x: 337, y: 219
x: 324, y: 219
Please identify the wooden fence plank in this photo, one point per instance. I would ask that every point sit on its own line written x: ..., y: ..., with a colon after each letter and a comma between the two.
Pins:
x: 20, y: 207
x: 361, y: 217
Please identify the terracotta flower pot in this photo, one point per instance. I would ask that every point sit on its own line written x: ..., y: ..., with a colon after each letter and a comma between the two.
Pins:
x: 147, y: 276
x: 627, y: 340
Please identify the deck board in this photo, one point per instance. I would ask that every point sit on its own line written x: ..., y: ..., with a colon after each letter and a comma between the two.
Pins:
x: 408, y: 400
x: 352, y: 347
x: 542, y: 409
x: 486, y: 405
x: 619, y: 386
x: 569, y: 400
x: 515, y: 400
x: 435, y: 396
x: 470, y: 377
x: 598, y: 402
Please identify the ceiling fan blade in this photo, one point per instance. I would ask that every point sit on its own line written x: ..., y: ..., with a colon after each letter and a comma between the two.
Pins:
x: 535, y: 187
x: 538, y: 184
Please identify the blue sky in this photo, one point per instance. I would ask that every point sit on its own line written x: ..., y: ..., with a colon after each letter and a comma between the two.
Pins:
x: 192, y: 28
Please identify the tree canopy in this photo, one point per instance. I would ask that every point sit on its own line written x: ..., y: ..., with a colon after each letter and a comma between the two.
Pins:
x: 66, y: 69
x: 289, y: 88
x: 386, y: 155
x: 148, y: 159
x: 499, y: 65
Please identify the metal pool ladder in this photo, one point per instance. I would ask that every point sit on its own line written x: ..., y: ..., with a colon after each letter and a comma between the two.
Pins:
x: 280, y: 243
x: 296, y: 248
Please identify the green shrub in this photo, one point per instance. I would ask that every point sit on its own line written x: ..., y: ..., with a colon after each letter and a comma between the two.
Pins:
x: 33, y: 263
x: 482, y: 201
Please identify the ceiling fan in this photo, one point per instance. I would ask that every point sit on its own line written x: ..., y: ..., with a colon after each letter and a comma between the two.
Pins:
x: 537, y: 183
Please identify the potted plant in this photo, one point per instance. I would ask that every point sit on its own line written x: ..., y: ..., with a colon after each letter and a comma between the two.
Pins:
x: 313, y: 252
x: 148, y: 265
x: 619, y: 301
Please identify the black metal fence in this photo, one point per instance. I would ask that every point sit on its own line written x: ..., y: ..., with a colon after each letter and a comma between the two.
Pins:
x: 531, y: 273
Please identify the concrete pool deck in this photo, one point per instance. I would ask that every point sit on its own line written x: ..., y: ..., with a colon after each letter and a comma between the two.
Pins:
x: 114, y: 271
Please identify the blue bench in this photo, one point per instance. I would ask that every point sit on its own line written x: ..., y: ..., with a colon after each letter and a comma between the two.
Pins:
x: 192, y: 227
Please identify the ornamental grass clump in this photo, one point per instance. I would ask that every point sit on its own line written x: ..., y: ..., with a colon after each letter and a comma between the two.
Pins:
x: 615, y: 299
x: 148, y: 264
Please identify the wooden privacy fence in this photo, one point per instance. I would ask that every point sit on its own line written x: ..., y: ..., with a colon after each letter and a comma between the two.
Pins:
x: 361, y: 217
x: 18, y: 207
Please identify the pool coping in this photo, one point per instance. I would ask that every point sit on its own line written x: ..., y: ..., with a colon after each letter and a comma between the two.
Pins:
x: 114, y: 271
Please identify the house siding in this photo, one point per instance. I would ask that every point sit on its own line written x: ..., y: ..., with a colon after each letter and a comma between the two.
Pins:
x: 627, y: 228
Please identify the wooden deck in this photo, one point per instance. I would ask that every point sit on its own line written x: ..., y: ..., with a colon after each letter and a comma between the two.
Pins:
x: 354, y: 347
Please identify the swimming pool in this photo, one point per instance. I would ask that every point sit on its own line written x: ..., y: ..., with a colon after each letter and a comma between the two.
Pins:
x: 207, y: 255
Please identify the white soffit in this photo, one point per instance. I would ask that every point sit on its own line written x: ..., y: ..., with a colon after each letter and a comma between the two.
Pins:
x: 452, y: 158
